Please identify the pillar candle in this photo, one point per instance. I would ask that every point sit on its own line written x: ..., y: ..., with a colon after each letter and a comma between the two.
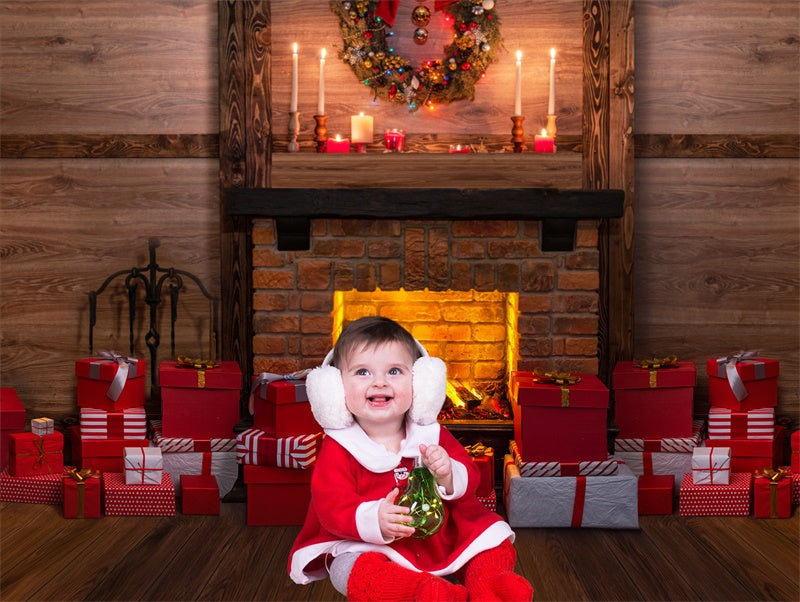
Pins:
x: 518, y: 90
x: 337, y: 145
x: 551, y: 103
x: 361, y: 128
x: 321, y: 97
x: 543, y: 143
x: 293, y: 104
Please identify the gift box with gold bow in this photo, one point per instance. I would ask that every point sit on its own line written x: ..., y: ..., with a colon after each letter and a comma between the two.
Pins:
x: 199, y: 398
x: 111, y: 381
x: 483, y: 457
x: 743, y: 381
x: 772, y: 493
x: 559, y: 417
x: 82, y: 489
x: 653, y: 398
x: 31, y: 455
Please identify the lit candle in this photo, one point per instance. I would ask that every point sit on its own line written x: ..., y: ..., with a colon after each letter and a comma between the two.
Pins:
x: 518, y: 94
x: 543, y: 143
x: 321, y: 97
x: 459, y: 148
x: 551, y: 103
x: 337, y: 145
x: 361, y: 130
x: 394, y: 139
x: 293, y: 104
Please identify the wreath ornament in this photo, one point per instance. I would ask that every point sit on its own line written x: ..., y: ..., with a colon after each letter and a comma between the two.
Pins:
x: 366, y: 35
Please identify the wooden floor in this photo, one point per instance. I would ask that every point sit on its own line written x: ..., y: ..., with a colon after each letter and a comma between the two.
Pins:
x: 46, y: 557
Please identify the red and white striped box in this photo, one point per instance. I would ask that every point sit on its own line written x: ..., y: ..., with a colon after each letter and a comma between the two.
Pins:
x: 143, y: 465
x: 670, y: 445
x: 188, y: 444
x: 726, y: 500
x: 129, y: 423
x: 256, y: 447
x: 724, y: 423
x: 134, y: 500
x: 711, y: 466
x: 489, y: 501
x: 39, y: 489
x: 563, y: 469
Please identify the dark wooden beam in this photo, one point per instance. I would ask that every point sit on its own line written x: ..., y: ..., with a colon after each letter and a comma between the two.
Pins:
x: 717, y: 146
x: 109, y: 146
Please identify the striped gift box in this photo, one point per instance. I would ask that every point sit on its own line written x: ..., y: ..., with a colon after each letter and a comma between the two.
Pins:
x: 667, y: 445
x: 563, y: 469
x: 256, y: 447
x: 187, y: 444
x: 130, y: 423
x: 724, y: 423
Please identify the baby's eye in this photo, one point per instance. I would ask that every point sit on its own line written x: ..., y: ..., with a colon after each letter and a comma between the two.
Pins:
x: 395, y: 371
x: 362, y: 372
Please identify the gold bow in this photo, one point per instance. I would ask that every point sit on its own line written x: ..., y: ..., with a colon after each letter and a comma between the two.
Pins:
x: 562, y: 379
x: 477, y: 449
x: 656, y: 363
x: 82, y: 474
x: 772, y: 474
x: 196, y: 363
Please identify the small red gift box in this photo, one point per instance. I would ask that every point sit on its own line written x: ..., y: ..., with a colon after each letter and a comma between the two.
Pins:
x: 593, y: 468
x: 104, y: 455
x: 655, y: 494
x: 277, y: 496
x: 82, y: 491
x: 31, y: 455
x: 199, y: 403
x: 111, y: 382
x: 483, y: 458
x: 653, y: 403
x: 749, y: 455
x: 281, y: 409
x: 772, y: 494
x: 795, y: 477
x: 723, y: 500
x: 560, y: 423
x: 254, y: 446
x: 724, y: 423
x: 742, y: 384
x: 199, y: 494
x: 135, y: 500
x: 795, y: 441
x: 129, y: 423
x: 12, y: 420
x: 40, y: 489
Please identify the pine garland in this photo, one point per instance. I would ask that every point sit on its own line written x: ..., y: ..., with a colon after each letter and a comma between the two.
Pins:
x: 366, y: 38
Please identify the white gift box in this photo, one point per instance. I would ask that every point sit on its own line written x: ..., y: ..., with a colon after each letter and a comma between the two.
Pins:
x: 609, y: 502
x: 711, y: 465
x: 658, y: 463
x: 42, y: 426
x: 219, y: 464
x: 143, y: 465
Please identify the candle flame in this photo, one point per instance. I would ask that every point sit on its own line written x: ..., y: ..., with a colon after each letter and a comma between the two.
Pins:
x: 544, y: 132
x: 519, y: 55
x: 294, y: 48
x: 553, y: 53
x: 323, y: 54
x: 338, y: 138
x: 361, y: 113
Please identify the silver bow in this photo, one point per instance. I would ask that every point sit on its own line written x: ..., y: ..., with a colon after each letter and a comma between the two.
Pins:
x: 734, y: 380
x: 268, y: 377
x: 124, y: 363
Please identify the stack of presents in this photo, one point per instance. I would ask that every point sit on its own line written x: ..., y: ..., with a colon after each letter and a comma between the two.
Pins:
x: 558, y: 472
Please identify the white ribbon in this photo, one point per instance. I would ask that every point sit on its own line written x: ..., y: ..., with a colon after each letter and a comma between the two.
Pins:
x: 734, y: 380
x: 124, y: 363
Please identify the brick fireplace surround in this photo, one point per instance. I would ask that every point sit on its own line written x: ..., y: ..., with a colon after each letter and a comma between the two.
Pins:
x: 293, y: 291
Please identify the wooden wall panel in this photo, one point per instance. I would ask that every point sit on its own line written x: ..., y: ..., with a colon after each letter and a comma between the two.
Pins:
x: 111, y: 66
x: 66, y: 226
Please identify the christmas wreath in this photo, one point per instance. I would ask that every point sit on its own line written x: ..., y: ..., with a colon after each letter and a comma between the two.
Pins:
x: 366, y: 34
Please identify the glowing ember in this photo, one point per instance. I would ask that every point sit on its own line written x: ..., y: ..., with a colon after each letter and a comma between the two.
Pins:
x: 465, y: 402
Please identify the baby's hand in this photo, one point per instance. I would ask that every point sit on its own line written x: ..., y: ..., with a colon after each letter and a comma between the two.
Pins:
x: 393, y: 520
x: 436, y: 458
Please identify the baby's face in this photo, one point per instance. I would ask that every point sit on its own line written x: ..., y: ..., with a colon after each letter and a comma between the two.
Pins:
x: 378, y: 383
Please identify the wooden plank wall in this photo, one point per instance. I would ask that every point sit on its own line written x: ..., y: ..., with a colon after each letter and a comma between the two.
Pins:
x: 109, y: 126
x: 716, y: 243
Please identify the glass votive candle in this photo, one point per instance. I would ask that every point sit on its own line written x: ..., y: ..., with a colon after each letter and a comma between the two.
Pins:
x: 394, y: 139
x: 459, y: 148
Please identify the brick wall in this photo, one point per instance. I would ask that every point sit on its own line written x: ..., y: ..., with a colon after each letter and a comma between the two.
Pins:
x: 557, y: 301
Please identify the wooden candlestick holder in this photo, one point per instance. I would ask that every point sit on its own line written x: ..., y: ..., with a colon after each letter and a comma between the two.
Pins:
x: 551, y: 126
x: 518, y: 133
x: 294, y: 129
x: 321, y: 132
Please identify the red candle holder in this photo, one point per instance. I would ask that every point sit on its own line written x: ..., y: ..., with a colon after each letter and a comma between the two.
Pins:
x: 394, y: 140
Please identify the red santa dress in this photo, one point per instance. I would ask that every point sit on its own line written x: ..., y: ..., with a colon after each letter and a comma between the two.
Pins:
x: 353, y: 473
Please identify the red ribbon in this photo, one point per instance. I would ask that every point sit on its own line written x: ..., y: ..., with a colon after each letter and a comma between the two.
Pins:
x: 115, y: 425
x: 647, y: 463
x: 738, y: 425
x: 580, y: 499
x: 206, y: 470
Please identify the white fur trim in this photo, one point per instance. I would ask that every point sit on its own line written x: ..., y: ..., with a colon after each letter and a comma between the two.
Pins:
x: 325, y: 391
x: 430, y: 390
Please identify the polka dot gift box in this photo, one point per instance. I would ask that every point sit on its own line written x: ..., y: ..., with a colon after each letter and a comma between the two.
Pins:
x: 718, y: 500
x: 138, y: 500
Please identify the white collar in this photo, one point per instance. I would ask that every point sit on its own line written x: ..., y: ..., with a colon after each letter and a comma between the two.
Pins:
x: 374, y: 456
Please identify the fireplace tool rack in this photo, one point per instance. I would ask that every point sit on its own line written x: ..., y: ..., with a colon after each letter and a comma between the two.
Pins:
x: 153, y: 278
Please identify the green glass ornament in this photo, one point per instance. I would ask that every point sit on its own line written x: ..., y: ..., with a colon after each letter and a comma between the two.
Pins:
x: 422, y: 498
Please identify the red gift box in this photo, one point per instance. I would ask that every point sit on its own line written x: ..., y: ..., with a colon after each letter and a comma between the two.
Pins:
x: 795, y: 477
x: 281, y: 409
x: 12, y: 420
x: 489, y: 501
x: 755, y: 380
x: 128, y: 423
x: 795, y: 441
x: 653, y: 403
x: 31, y: 454
x: 721, y: 500
x: 189, y: 444
x: 555, y: 423
x: 277, y: 496
x: 39, y: 489
x: 655, y: 494
x: 724, y: 423
x: 200, y: 404
x: 138, y: 500
x: 593, y: 468
x: 670, y: 445
x: 749, y: 455
x: 254, y: 446
x: 104, y: 455
x: 483, y: 458
x: 199, y: 494
x: 82, y: 493
x: 772, y: 495
x: 111, y: 383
